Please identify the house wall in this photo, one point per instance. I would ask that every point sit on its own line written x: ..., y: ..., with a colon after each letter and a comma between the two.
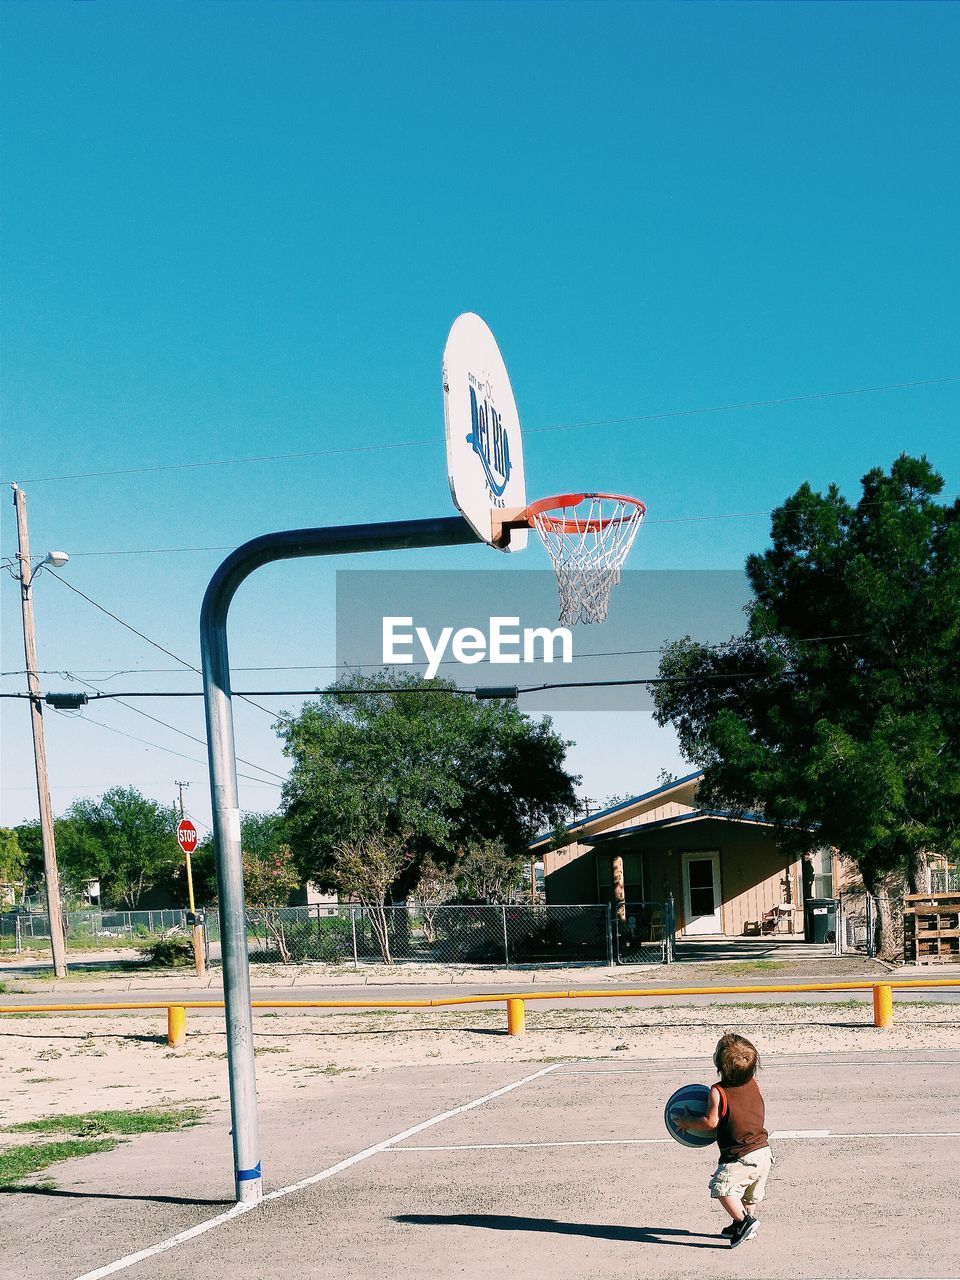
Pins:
x: 584, y: 878
x: 755, y: 875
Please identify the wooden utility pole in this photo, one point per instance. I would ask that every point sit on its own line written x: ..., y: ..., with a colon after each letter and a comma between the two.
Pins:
x: 51, y: 876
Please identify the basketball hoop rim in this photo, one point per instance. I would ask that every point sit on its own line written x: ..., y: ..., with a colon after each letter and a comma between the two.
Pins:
x: 563, y: 501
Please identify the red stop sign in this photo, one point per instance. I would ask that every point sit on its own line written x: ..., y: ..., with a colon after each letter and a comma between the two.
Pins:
x: 187, y: 835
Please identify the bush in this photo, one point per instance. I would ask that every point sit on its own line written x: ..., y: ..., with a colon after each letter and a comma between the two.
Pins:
x: 170, y: 953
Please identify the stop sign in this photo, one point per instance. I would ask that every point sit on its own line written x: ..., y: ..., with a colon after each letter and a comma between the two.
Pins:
x: 187, y: 835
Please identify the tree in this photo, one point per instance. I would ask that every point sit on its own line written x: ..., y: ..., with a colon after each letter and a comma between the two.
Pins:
x: 124, y: 840
x: 487, y: 872
x: 30, y: 840
x: 269, y: 878
x: 13, y: 862
x: 837, y: 713
x: 424, y: 764
x: 365, y: 868
x: 435, y: 887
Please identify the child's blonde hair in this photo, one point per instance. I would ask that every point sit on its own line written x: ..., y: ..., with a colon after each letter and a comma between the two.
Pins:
x: 736, y: 1059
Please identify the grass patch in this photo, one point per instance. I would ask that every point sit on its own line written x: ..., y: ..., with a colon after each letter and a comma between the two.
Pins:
x: 20, y: 1162
x: 94, y: 1123
x: 753, y: 966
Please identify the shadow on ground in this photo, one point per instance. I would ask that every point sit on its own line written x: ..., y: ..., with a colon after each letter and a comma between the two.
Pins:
x: 594, y: 1230
x: 30, y: 1190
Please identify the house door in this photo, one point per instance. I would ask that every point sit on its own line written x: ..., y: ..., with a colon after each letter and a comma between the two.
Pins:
x: 701, y: 893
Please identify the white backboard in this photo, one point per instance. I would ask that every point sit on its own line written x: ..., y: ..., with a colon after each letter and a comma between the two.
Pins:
x: 484, y: 448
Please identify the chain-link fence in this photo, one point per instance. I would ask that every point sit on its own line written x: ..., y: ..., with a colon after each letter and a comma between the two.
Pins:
x: 644, y: 933
x: 28, y: 930
x: 483, y: 934
x: 861, y: 917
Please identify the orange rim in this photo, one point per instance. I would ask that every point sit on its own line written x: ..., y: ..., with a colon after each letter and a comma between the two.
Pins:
x: 561, y: 524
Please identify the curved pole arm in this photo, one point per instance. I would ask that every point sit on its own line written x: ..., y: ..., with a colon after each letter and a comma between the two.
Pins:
x: 290, y: 545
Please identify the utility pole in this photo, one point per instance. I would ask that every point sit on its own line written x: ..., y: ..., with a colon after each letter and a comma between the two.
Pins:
x: 199, y: 960
x: 51, y: 876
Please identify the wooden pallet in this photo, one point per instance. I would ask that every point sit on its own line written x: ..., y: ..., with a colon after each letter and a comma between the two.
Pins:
x: 931, y: 928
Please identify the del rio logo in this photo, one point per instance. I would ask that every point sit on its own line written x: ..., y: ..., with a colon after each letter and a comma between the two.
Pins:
x: 488, y: 438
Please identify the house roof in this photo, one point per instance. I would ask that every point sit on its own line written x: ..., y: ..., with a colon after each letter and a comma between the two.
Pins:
x: 682, y: 819
x: 577, y: 827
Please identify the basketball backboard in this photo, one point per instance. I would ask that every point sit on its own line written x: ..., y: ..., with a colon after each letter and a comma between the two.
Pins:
x: 484, y: 448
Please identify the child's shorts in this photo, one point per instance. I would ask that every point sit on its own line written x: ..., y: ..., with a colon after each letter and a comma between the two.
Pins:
x: 746, y: 1178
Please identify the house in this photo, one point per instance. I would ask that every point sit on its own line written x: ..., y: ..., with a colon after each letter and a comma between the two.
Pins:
x: 726, y: 873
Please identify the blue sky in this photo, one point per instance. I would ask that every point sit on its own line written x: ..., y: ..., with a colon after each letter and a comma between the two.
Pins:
x: 238, y: 230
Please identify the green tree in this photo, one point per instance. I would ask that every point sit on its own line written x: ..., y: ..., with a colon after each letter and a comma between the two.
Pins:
x: 13, y: 863
x: 261, y: 834
x: 428, y: 765
x: 30, y: 839
x: 365, y: 868
x: 124, y: 840
x: 837, y: 713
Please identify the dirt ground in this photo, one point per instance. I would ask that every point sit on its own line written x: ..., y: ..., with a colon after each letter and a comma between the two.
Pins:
x: 75, y: 1063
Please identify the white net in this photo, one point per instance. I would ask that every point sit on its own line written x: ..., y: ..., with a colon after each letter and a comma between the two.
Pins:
x: 588, y: 537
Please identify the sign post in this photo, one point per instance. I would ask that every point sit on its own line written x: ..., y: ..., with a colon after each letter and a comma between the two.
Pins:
x: 187, y: 838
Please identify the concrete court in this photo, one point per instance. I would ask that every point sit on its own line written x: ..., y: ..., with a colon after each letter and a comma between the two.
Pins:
x: 479, y: 1195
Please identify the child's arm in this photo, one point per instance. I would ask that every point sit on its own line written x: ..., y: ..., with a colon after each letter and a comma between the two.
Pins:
x: 708, y: 1121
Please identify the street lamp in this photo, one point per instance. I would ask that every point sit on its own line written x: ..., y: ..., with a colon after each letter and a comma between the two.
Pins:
x: 25, y: 572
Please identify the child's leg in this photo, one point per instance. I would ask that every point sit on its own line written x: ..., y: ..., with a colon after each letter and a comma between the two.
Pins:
x: 733, y: 1206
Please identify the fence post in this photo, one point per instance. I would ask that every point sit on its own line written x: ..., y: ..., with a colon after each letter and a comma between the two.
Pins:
x: 609, y: 936
x: 871, y: 938
x: 18, y: 935
x: 506, y: 946
x: 670, y: 930
x: 353, y: 929
x: 841, y: 925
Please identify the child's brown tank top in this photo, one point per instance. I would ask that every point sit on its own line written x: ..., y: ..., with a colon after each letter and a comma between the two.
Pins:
x: 740, y: 1130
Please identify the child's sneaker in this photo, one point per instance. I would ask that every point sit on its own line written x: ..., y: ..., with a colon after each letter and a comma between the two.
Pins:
x: 745, y: 1229
x: 730, y: 1229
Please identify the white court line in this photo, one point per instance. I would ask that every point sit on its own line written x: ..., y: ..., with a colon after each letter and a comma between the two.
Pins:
x: 777, y: 1136
x: 239, y: 1209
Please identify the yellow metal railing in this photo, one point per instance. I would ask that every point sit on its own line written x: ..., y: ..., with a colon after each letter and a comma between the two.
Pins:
x: 514, y: 1001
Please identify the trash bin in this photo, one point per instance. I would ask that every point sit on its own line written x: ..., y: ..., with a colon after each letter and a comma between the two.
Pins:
x: 820, y: 920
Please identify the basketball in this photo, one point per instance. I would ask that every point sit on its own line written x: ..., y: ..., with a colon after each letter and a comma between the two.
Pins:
x: 695, y: 1099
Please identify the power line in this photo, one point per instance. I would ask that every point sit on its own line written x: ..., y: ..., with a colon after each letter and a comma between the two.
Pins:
x: 699, y: 519
x: 99, y: 694
x: 85, y: 719
x: 104, y: 672
x: 457, y: 691
x: 660, y: 416
x: 156, y: 645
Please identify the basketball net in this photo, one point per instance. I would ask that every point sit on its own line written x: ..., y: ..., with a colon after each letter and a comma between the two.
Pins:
x: 587, y: 536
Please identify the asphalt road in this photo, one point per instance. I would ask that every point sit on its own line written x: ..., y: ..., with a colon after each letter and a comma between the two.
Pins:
x: 528, y: 1171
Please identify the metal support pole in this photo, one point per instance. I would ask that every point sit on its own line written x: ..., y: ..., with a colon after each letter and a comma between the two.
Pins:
x: 670, y: 930
x: 290, y: 545
x: 353, y: 930
x: 506, y: 944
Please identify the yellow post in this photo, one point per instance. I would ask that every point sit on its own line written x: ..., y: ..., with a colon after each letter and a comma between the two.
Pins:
x: 516, y: 1018
x: 198, y: 956
x: 176, y: 1026
x: 883, y: 1005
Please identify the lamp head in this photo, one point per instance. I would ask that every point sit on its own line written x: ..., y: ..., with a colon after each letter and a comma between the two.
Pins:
x: 56, y: 559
